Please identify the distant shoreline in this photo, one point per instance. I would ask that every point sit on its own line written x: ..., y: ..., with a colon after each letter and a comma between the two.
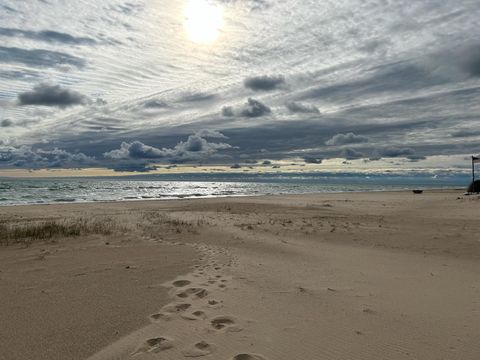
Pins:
x: 193, y: 198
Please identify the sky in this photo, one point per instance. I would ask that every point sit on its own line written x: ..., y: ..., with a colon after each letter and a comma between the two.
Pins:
x: 141, y: 85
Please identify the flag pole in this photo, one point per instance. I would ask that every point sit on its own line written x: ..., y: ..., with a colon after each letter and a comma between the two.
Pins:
x: 473, y: 174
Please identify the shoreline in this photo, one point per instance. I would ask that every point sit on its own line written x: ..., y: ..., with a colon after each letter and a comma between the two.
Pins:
x: 190, y: 198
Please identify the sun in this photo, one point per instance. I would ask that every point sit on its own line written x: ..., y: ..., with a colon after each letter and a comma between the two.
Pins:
x: 203, y: 21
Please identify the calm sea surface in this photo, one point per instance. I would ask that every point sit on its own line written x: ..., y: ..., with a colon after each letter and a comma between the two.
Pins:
x: 57, y: 190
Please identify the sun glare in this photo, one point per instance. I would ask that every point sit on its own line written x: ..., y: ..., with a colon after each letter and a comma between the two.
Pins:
x: 203, y: 21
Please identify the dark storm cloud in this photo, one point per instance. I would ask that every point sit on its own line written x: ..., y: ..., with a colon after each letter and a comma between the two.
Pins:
x: 49, y: 36
x: 255, y: 108
x: 298, y: 107
x: 6, y: 123
x: 264, y: 82
x: 51, y: 95
x: 38, y: 57
x: 344, y: 139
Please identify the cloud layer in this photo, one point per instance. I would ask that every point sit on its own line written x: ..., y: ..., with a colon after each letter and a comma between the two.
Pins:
x: 369, y: 80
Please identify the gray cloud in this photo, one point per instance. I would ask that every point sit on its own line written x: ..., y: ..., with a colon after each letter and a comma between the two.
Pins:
x: 312, y: 160
x: 228, y: 111
x: 136, y: 150
x: 264, y: 83
x: 351, y: 154
x: 51, y: 95
x: 133, y: 167
x: 195, y: 148
x: 298, y: 107
x: 255, y: 108
x: 471, y: 60
x: 38, y: 58
x: 48, y: 36
x: 6, y: 123
x: 344, y: 139
x: 212, y: 134
x: 197, y: 96
x: 155, y: 104
x: 25, y: 156
x: 465, y: 133
x: 395, y: 152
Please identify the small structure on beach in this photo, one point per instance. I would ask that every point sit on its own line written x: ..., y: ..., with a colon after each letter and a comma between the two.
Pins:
x: 474, y: 187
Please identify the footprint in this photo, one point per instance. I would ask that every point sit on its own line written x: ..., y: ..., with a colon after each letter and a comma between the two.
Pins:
x: 221, y: 322
x: 248, y: 357
x: 196, y: 315
x: 155, y: 345
x: 198, y: 292
x: 175, y: 308
x: 201, y: 348
x: 160, y: 316
x: 214, y: 304
x: 181, y: 283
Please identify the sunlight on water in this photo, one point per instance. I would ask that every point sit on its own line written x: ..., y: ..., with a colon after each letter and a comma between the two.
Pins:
x: 22, y: 191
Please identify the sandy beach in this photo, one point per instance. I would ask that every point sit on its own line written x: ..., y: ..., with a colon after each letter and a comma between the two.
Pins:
x: 387, y: 275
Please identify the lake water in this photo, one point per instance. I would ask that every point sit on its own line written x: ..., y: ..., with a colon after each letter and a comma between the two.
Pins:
x: 57, y: 190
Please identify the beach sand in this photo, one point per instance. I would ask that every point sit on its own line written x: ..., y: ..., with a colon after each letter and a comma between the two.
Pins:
x: 327, y: 276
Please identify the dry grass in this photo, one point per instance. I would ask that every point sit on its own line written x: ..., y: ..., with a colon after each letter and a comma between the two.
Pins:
x: 155, y: 223
x: 27, y: 232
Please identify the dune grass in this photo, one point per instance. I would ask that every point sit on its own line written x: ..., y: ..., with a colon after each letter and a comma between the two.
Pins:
x: 27, y: 232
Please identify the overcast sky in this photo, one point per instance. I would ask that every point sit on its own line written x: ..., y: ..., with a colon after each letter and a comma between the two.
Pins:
x: 127, y: 84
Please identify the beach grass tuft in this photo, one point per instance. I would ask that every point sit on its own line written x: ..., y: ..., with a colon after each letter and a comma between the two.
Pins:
x: 24, y: 233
